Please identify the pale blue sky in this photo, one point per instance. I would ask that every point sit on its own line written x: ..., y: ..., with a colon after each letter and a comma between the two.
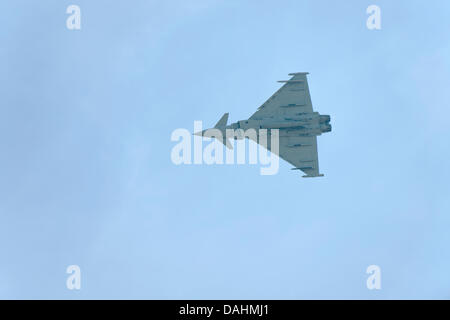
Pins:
x: 85, y: 170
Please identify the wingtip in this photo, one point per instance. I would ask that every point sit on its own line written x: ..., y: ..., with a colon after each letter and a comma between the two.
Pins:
x: 297, y: 73
x: 313, y: 176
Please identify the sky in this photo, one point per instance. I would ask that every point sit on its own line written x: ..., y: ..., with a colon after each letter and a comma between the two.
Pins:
x: 86, y: 176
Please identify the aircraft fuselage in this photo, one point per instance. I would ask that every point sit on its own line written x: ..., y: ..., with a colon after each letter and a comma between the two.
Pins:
x: 310, y: 124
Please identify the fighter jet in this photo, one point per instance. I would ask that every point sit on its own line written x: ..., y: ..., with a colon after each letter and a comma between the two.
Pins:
x: 289, y: 110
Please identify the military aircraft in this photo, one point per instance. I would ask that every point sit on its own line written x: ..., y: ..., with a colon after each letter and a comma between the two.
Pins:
x: 289, y: 110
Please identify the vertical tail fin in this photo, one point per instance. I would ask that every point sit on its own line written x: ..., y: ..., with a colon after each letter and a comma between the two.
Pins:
x: 222, y: 123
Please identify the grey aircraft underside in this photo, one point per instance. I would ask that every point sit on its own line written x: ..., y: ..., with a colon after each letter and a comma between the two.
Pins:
x: 289, y: 110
